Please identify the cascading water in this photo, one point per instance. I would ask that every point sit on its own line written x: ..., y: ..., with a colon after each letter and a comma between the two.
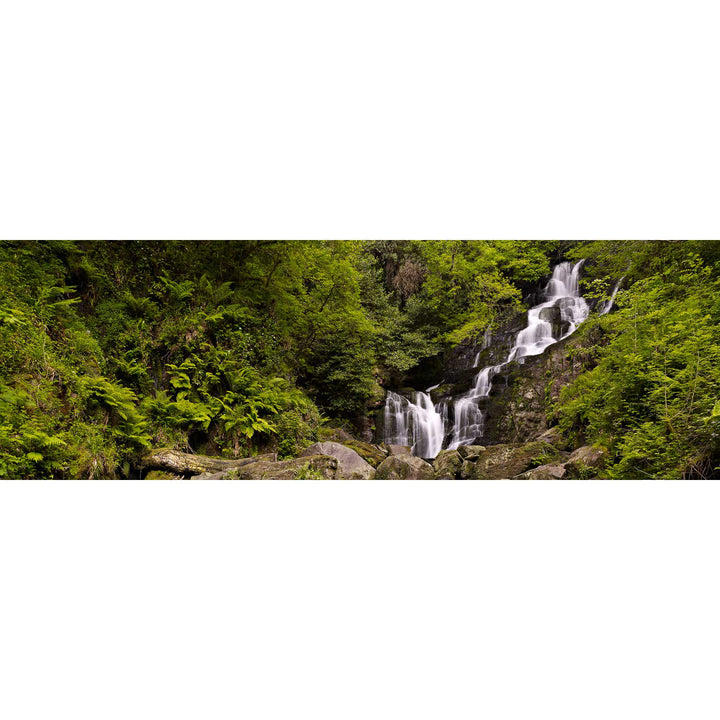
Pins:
x: 607, y: 306
x: 417, y: 424
x: 422, y: 426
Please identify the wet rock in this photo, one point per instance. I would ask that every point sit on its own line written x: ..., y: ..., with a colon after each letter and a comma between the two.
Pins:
x: 447, y: 465
x: 404, y: 467
x: 350, y: 465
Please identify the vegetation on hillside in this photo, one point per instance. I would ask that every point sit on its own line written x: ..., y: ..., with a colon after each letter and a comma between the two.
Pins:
x: 108, y: 349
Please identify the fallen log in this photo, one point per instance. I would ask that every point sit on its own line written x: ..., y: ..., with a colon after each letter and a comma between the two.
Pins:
x: 187, y: 464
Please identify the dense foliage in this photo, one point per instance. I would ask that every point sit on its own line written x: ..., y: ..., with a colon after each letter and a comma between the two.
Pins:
x: 653, y: 398
x: 108, y: 349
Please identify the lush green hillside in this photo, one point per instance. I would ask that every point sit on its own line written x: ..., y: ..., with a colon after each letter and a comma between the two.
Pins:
x: 108, y: 349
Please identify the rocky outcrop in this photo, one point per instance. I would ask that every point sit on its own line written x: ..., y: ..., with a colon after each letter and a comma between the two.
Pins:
x: 350, y: 465
x: 404, y: 467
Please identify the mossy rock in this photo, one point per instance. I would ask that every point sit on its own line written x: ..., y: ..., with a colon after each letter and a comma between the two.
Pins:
x: 372, y: 454
x: 471, y: 452
x: 586, y: 462
x: 545, y: 472
x: 312, y: 467
x: 502, y: 462
x: 326, y: 434
x: 160, y: 475
x: 404, y: 467
x: 437, y: 394
x: 447, y: 465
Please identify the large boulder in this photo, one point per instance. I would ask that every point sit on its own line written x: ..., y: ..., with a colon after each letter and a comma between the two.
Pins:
x: 314, y: 467
x: 586, y: 461
x: 350, y: 465
x: 404, y: 467
x: 447, y: 465
x: 399, y: 449
x: 373, y: 454
x: 501, y: 462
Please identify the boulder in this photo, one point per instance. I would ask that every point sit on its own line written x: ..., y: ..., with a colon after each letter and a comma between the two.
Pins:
x: 372, y: 454
x: 544, y: 472
x: 500, y: 462
x: 447, y: 465
x: 554, y: 437
x: 404, y: 467
x: 350, y: 465
x: 399, y: 449
x: 583, y: 461
x: 334, y: 435
x: 313, y: 467
x: 471, y: 452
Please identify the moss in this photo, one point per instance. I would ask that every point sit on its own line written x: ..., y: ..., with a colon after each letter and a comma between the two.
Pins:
x: 370, y: 453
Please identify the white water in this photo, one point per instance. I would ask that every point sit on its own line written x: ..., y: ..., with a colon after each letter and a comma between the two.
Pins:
x: 607, y: 307
x: 422, y: 426
x: 417, y: 424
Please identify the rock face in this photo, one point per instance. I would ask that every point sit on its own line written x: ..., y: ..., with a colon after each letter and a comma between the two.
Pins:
x: 350, y: 465
x: 404, y: 467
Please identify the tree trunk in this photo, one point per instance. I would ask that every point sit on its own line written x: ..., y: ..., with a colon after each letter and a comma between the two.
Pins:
x: 187, y: 464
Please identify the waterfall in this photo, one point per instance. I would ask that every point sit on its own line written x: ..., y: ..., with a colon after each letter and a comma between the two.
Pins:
x: 417, y: 424
x: 485, y: 345
x: 607, y: 306
x: 422, y: 426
